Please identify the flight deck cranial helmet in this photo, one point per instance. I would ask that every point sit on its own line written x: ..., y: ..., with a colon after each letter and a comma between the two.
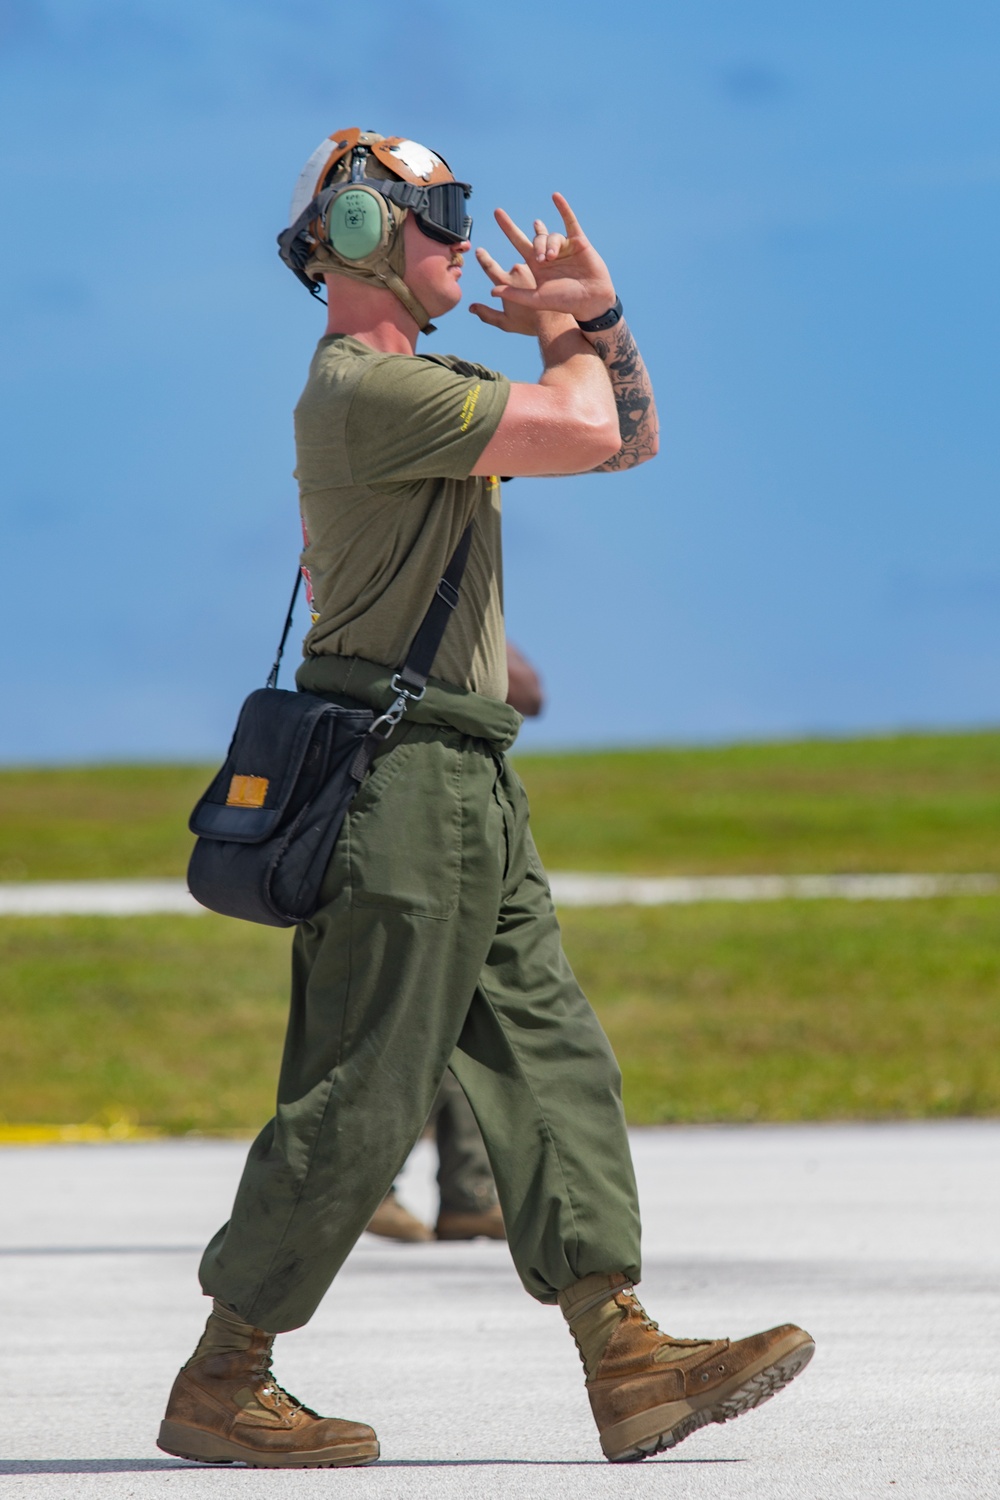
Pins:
x: 349, y: 204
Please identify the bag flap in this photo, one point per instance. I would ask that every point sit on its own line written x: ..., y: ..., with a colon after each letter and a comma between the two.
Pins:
x: 248, y: 798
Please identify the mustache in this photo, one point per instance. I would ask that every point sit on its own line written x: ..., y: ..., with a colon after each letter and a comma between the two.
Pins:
x: 456, y: 259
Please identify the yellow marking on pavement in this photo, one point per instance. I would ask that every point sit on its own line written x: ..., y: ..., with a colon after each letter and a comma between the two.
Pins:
x: 87, y: 1134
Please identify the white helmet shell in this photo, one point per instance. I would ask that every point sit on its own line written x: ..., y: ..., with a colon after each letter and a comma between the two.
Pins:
x: 404, y: 158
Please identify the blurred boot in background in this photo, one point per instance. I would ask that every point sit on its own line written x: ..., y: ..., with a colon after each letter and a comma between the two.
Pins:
x: 391, y: 1221
x: 469, y: 1208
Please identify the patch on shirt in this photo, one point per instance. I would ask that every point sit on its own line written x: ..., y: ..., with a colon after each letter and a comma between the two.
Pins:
x: 469, y: 407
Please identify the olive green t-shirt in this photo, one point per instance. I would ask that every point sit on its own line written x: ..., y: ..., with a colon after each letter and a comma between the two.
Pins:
x: 385, y: 444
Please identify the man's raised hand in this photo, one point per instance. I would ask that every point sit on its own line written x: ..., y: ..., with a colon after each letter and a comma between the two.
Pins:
x: 512, y: 319
x: 569, y: 275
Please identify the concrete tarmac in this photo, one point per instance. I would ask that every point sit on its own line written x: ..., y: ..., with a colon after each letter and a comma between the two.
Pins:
x: 883, y: 1241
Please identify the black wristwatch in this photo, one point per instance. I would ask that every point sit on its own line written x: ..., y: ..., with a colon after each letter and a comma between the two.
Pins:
x: 606, y: 320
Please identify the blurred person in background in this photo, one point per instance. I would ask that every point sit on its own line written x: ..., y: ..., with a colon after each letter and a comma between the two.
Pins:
x: 438, y: 943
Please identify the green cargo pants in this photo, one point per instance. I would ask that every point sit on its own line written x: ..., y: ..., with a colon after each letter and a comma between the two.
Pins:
x: 465, y: 1178
x: 436, y: 942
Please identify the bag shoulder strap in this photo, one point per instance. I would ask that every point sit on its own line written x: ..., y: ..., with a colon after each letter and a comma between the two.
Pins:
x: 272, y: 676
x: 424, y: 646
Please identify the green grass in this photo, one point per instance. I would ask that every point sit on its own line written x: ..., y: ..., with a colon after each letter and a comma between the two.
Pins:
x: 910, y: 802
x: 812, y: 1010
x: 97, y: 822
x: 792, y: 1010
x: 798, y: 1010
x: 173, y: 1022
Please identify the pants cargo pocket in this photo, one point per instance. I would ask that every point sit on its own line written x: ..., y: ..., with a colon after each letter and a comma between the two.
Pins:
x: 405, y: 832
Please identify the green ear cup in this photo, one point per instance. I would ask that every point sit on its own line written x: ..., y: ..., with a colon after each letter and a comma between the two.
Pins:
x: 356, y: 223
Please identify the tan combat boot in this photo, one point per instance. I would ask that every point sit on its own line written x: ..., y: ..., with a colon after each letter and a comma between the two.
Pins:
x: 225, y: 1407
x: 471, y: 1224
x: 649, y: 1391
x: 391, y: 1221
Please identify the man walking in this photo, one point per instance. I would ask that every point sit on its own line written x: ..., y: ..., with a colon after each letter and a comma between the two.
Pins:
x: 437, y: 941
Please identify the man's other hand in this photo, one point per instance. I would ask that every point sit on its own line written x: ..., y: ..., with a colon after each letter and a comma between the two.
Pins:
x: 569, y: 275
x: 524, y: 687
x: 512, y: 319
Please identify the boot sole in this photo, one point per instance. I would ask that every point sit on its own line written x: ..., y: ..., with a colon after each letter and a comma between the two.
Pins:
x: 204, y: 1447
x: 662, y: 1427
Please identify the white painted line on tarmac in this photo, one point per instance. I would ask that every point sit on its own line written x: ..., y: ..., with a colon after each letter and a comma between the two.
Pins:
x: 97, y: 898
x: 684, y: 890
x: 132, y: 898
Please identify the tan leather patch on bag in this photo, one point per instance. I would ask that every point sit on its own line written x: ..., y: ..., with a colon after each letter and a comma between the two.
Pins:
x: 247, y: 791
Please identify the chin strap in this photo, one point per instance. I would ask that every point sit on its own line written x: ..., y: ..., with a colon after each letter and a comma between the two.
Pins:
x: 398, y: 287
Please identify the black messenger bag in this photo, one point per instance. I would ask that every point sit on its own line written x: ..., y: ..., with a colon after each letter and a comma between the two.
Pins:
x: 267, y: 824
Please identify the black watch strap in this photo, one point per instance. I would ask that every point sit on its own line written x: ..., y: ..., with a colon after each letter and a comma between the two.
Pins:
x: 606, y: 320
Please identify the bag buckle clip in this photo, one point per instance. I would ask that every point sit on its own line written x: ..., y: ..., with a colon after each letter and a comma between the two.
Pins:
x: 404, y: 697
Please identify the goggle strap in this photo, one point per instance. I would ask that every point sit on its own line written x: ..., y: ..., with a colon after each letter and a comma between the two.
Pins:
x: 404, y: 194
x: 293, y: 248
x: 293, y: 252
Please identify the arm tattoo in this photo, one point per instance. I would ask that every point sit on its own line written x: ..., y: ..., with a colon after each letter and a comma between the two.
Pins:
x: 637, y: 420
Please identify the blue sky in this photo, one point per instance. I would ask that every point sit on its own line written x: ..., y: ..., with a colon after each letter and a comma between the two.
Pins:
x: 799, y: 203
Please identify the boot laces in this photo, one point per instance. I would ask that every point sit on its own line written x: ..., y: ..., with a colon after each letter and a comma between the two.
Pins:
x: 636, y: 1306
x: 270, y: 1386
x: 668, y: 1339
